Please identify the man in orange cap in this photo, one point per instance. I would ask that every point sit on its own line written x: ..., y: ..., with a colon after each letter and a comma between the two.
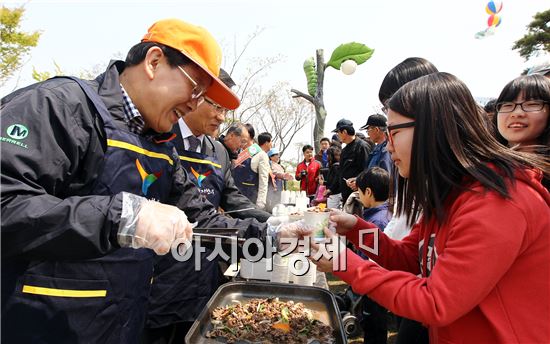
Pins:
x: 92, y: 188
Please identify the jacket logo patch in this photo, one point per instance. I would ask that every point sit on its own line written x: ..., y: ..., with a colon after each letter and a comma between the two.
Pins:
x: 17, y: 131
x: 200, y: 177
x: 147, y: 178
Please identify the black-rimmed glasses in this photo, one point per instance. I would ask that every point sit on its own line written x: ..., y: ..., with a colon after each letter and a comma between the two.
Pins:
x: 526, y: 106
x: 218, y: 108
x: 397, y: 126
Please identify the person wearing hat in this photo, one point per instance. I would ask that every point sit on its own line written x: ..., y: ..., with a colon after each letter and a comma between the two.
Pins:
x: 278, y: 179
x: 354, y: 157
x: 376, y: 131
x: 175, y: 302
x: 89, y: 182
x: 541, y: 69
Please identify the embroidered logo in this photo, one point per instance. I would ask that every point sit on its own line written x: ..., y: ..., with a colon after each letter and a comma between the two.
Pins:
x: 147, y: 178
x: 16, y: 133
x: 200, y: 177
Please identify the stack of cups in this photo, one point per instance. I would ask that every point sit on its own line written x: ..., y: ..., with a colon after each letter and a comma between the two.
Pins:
x: 302, y: 271
x: 280, y: 269
x: 285, y: 197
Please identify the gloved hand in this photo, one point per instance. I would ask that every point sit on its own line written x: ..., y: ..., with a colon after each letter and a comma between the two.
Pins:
x: 150, y: 224
x: 158, y: 225
x: 290, y: 233
x: 277, y: 220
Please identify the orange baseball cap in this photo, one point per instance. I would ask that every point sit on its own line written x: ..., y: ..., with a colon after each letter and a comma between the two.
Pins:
x: 200, y: 47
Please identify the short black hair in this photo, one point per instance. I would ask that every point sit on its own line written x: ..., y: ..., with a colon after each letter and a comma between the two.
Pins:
x: 137, y: 54
x: 349, y: 130
x: 306, y: 147
x: 250, y: 129
x: 263, y: 138
x: 332, y: 153
x: 491, y: 106
x: 378, y: 180
x: 325, y: 139
x: 236, y: 128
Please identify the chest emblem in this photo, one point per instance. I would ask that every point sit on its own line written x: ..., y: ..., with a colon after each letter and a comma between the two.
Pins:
x: 147, y: 178
x: 200, y: 177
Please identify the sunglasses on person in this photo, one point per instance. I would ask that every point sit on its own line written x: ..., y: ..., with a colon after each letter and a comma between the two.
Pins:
x: 526, y: 106
x: 389, y: 129
x: 197, y: 91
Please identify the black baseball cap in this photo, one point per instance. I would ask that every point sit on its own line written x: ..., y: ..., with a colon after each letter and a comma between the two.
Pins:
x: 342, y: 124
x: 375, y: 120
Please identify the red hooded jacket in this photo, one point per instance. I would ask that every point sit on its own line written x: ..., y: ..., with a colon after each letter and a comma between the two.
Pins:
x: 485, y: 271
x: 313, y: 169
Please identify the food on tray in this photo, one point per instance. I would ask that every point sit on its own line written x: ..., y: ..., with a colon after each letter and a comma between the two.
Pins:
x: 321, y: 208
x: 268, y: 321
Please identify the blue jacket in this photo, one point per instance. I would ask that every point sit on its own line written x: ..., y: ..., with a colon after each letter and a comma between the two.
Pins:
x: 380, y: 157
x: 379, y: 216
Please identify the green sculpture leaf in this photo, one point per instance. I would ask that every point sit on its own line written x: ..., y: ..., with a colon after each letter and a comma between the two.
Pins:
x: 358, y: 52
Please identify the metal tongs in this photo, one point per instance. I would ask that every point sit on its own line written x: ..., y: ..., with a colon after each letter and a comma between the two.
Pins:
x: 227, y: 235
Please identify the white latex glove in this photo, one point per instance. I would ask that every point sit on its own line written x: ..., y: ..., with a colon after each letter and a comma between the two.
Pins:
x: 277, y: 220
x: 159, y: 225
x: 289, y: 235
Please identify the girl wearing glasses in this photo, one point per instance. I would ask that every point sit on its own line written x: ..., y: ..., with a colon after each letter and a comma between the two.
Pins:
x: 523, y: 111
x: 476, y: 266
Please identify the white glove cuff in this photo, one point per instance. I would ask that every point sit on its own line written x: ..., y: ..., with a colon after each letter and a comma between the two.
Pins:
x: 131, y: 204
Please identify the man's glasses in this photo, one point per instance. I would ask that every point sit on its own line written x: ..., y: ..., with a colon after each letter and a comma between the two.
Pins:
x: 197, y: 92
x: 526, y: 106
x: 397, y: 126
x: 218, y: 108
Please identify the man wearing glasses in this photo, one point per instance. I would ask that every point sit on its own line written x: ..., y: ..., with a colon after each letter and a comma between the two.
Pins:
x: 175, y: 302
x: 87, y: 175
x: 376, y: 131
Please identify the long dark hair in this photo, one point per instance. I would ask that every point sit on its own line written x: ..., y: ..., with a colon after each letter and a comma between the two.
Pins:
x: 409, y: 69
x: 533, y: 87
x: 450, y: 143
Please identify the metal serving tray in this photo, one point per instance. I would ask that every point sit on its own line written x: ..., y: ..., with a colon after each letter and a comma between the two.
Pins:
x: 319, y: 300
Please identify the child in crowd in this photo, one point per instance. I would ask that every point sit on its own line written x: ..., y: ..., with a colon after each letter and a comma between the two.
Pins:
x: 523, y: 115
x: 373, y: 187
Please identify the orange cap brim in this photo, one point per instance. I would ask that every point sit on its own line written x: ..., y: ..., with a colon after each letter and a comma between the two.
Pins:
x: 217, y: 91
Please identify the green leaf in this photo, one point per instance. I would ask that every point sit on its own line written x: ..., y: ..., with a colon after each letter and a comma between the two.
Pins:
x: 357, y: 52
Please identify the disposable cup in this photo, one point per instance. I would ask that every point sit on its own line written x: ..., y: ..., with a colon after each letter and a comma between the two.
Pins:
x: 318, y: 221
x: 298, y: 264
x: 280, y: 269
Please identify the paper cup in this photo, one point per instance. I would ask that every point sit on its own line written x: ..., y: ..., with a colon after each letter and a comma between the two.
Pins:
x: 318, y: 221
x: 298, y: 264
x: 280, y: 269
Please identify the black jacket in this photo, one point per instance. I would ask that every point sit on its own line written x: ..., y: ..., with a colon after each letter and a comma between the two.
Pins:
x: 232, y: 198
x: 353, y: 160
x: 47, y: 211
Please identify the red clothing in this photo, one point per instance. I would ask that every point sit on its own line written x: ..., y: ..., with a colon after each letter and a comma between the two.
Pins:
x: 488, y: 278
x: 312, y: 174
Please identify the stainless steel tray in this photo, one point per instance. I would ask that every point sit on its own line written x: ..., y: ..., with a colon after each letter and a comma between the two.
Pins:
x: 319, y: 300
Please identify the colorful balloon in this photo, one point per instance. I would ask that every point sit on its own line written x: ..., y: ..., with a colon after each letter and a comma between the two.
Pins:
x: 494, y: 20
x: 493, y: 7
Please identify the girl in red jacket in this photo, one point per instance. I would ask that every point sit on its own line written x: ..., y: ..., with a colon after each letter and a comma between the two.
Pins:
x: 476, y: 266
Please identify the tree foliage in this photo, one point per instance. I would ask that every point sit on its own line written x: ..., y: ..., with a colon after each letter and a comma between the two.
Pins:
x: 14, y: 43
x: 537, y: 38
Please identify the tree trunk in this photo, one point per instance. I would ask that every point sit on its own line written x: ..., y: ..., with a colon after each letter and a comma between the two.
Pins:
x: 320, y: 112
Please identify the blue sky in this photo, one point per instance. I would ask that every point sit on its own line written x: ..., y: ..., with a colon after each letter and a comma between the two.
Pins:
x: 82, y: 34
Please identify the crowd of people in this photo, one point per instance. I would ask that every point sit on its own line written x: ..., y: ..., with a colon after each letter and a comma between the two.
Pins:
x: 101, y: 177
